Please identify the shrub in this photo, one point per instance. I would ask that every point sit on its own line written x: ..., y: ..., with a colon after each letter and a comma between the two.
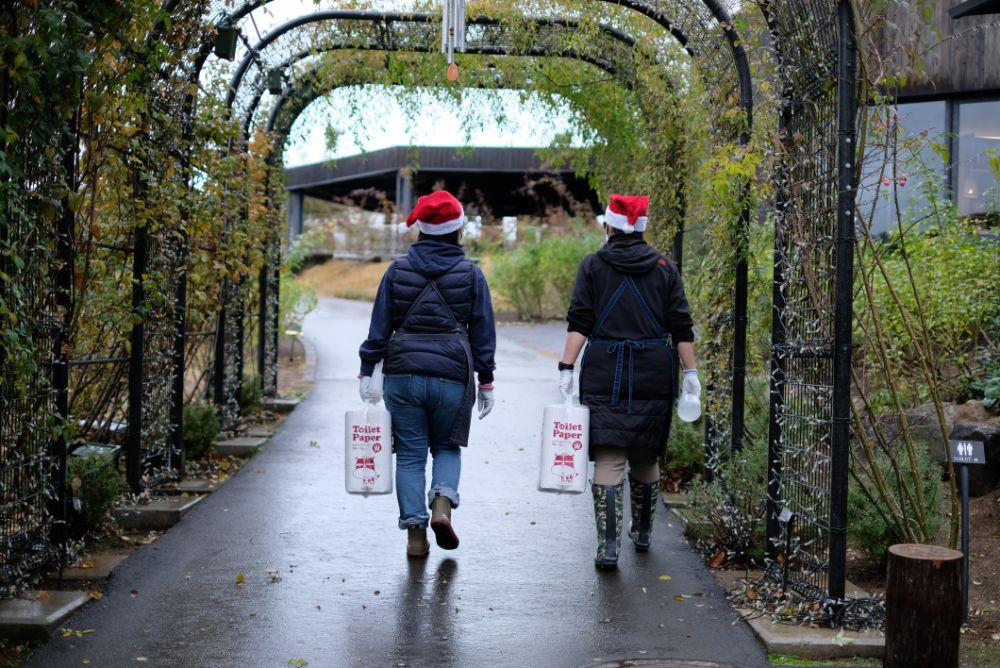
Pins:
x: 295, y: 298
x: 201, y: 427
x: 949, y: 302
x: 870, y: 528
x: 685, y: 451
x: 728, y: 514
x: 537, y: 278
x: 987, y: 387
x: 96, y: 485
x: 515, y: 277
x: 251, y: 393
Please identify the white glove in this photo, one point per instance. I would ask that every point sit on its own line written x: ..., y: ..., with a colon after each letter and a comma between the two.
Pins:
x: 367, y: 392
x: 566, y: 383
x: 691, y: 383
x: 485, y: 400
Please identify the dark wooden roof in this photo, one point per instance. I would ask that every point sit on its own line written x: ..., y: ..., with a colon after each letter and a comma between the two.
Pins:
x: 975, y: 8
x: 504, y: 180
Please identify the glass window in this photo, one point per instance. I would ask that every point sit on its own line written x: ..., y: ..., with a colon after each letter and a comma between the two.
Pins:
x: 978, y: 192
x: 903, y: 160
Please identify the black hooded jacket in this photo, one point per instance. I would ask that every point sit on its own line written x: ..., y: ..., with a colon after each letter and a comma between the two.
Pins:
x: 628, y: 370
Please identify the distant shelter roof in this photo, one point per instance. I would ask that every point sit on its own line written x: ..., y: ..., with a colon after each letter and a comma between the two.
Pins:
x: 509, y: 181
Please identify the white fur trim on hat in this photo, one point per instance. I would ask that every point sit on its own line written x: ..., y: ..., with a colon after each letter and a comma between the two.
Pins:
x: 442, y: 228
x: 619, y: 221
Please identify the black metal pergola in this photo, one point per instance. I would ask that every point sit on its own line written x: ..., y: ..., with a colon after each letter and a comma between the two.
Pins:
x: 814, y: 236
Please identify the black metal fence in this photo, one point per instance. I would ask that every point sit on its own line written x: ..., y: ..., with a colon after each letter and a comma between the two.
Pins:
x: 813, y: 273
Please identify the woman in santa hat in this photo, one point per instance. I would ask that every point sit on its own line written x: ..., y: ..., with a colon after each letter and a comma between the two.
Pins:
x: 432, y: 324
x: 628, y: 303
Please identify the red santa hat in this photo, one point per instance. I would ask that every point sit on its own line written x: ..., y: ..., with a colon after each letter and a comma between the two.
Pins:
x: 437, y: 213
x: 627, y: 213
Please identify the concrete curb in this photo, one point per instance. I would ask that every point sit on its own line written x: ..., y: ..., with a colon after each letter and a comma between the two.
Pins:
x: 158, y: 514
x: 243, y: 446
x: 37, y: 614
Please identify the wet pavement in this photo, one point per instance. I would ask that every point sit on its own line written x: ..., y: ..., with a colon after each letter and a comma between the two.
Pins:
x: 324, y: 576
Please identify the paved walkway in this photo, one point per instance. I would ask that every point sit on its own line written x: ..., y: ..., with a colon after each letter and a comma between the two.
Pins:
x: 326, y: 580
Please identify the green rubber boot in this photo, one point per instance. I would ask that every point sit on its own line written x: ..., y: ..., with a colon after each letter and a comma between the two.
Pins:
x: 608, y: 515
x: 643, y: 507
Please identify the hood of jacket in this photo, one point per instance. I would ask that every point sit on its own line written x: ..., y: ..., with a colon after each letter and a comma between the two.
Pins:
x: 432, y: 258
x: 629, y: 254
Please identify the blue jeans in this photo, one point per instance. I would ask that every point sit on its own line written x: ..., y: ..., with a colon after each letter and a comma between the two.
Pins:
x: 423, y: 410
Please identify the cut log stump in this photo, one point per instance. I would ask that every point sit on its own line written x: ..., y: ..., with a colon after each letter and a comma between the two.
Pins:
x: 923, y: 606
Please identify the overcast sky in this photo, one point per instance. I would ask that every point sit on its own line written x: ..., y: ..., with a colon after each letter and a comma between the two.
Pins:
x: 386, y: 125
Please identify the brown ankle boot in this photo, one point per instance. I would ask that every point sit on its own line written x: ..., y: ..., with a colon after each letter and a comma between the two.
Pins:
x: 441, y: 523
x: 416, y: 542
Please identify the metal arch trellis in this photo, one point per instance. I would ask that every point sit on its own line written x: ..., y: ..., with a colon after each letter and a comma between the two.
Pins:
x: 812, y: 308
x: 364, y: 31
x: 492, y: 39
x: 707, y: 32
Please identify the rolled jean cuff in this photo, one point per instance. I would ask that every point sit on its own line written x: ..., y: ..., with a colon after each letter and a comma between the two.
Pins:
x: 447, y: 492
x: 414, y: 522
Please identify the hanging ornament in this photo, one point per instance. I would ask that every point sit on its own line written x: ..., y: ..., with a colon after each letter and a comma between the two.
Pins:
x: 453, y: 33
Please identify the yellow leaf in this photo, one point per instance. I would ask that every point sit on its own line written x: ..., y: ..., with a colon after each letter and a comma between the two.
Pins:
x: 240, y: 580
x: 680, y: 597
x: 666, y: 578
x: 96, y: 595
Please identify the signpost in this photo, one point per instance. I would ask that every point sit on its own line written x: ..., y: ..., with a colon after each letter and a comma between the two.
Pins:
x: 964, y: 453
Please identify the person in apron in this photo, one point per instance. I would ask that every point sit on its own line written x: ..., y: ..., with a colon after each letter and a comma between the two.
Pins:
x: 628, y: 304
x: 432, y: 324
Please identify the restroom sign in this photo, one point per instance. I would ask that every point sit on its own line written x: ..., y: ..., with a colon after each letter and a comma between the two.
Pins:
x: 967, y: 452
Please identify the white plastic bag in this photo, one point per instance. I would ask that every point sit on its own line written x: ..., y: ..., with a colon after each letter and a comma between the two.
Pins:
x: 563, y: 462
x: 689, y: 407
x: 368, y: 451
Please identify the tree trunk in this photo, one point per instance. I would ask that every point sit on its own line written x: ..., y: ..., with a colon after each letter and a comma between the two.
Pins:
x: 923, y: 601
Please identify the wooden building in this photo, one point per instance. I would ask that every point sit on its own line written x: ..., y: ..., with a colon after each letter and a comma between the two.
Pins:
x: 953, y: 100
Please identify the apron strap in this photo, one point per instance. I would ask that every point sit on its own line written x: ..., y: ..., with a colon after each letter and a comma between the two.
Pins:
x: 608, y: 308
x: 644, y: 306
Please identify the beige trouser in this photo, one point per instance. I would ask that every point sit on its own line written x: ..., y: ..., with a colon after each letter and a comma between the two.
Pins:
x: 609, y: 465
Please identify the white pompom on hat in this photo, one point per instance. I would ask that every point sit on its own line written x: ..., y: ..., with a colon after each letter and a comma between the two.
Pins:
x: 627, y: 213
x: 437, y: 213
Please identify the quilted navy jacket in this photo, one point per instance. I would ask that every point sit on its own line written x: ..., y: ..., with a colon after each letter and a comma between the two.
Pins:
x: 462, y: 285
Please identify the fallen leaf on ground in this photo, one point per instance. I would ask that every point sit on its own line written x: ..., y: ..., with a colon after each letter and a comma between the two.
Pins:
x: 88, y: 563
x: 298, y: 663
x: 840, y: 640
x: 67, y: 632
x: 43, y: 596
x: 240, y: 580
x: 643, y: 590
x: 666, y: 578
x: 680, y: 597
x: 96, y: 595
x: 717, y: 559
